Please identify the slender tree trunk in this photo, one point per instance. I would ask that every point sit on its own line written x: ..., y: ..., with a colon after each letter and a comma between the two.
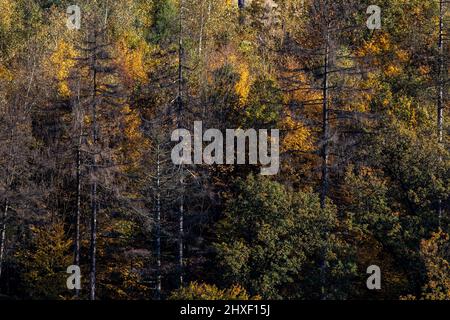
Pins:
x: 179, y: 124
x: 440, y: 108
x: 3, y: 236
x: 180, y: 66
x: 78, y: 208
x: 325, y: 130
x: 94, y: 204
x: 440, y: 103
x: 241, y: 4
x: 325, y: 152
x: 93, y: 248
x: 181, y: 235
x: 158, y: 225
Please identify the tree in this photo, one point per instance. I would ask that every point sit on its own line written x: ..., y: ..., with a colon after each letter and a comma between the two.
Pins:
x: 86, y: 118
x: 442, y: 81
x: 435, y: 253
x: 203, y: 291
x: 45, y: 262
x: 99, y: 99
x: 271, y: 237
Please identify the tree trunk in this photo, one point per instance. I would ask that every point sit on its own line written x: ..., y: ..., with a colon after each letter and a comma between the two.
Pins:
x: 78, y: 209
x: 180, y: 66
x: 93, y: 248
x: 79, y: 118
x: 181, y: 234
x: 158, y: 225
x: 325, y: 153
x: 94, y: 205
x: 3, y: 237
x: 325, y: 130
x: 179, y: 124
x: 440, y: 104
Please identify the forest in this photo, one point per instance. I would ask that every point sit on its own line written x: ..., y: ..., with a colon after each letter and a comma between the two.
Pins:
x: 93, y: 207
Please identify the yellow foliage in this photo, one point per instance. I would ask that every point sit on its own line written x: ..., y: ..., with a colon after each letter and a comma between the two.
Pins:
x: 424, y: 70
x: 244, y: 83
x: 392, y: 70
x: 5, y: 74
x: 371, y: 84
x: 379, y: 47
x: 298, y: 137
x: 7, y: 14
x: 46, y: 261
x: 203, y: 291
x: 133, y: 60
x: 435, y: 253
x: 242, y: 67
x: 134, y: 142
x: 375, y: 46
x: 60, y: 64
x: 300, y: 78
x: 402, y: 55
x: 132, y: 122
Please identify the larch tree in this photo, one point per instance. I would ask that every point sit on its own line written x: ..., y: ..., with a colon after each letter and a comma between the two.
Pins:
x: 99, y: 103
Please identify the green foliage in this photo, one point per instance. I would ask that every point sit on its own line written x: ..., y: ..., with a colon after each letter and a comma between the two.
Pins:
x: 395, y: 196
x: 418, y: 176
x: 269, y: 236
x: 264, y: 105
x: 166, y: 23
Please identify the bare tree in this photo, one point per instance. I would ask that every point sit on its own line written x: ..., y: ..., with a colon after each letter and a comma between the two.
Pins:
x: 98, y: 99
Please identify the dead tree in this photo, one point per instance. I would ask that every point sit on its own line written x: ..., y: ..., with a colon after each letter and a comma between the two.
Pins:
x: 99, y: 100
